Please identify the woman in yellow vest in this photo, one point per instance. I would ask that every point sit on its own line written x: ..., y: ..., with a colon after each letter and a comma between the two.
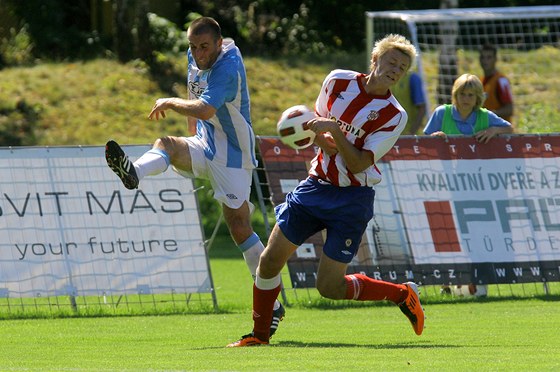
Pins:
x: 465, y: 115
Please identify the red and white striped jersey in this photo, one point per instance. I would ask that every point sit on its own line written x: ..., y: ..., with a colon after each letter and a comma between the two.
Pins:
x: 371, y: 123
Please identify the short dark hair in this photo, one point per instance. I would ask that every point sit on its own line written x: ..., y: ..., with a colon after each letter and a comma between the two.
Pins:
x: 487, y: 47
x: 204, y: 25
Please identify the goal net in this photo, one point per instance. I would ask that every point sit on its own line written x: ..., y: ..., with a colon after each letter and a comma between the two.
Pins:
x: 448, y: 40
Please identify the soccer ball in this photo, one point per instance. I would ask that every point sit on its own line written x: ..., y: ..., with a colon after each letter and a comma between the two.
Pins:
x: 292, y: 127
x: 470, y: 290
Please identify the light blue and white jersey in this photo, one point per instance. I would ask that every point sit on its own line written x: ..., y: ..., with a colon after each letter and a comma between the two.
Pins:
x: 229, y: 136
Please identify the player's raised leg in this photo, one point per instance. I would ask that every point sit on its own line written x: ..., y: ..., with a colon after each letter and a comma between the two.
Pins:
x: 119, y: 163
x: 154, y: 161
x: 363, y: 288
x: 412, y: 308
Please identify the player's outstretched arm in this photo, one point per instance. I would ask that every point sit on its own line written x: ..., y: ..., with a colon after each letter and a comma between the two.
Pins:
x: 193, y: 107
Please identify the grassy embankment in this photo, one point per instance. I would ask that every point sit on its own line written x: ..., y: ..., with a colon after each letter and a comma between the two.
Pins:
x: 87, y: 103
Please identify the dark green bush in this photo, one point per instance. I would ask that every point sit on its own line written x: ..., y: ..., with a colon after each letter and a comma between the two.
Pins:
x: 17, y: 48
x: 166, y: 36
x: 18, y: 124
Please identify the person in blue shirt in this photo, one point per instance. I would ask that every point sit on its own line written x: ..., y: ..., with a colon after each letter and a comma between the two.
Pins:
x: 221, y: 147
x: 410, y: 94
x: 465, y: 114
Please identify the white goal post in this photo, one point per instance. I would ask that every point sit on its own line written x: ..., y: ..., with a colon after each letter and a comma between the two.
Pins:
x: 448, y: 40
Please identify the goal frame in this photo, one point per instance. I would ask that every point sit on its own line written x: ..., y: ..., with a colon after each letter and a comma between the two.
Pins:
x: 413, y: 18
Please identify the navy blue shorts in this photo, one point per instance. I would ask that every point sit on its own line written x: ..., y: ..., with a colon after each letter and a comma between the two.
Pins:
x: 343, y: 211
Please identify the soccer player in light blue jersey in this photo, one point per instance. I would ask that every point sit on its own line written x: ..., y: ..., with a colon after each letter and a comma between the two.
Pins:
x: 223, y: 148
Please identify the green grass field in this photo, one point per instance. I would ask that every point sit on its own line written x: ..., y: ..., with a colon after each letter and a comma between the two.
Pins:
x: 85, y: 103
x: 505, y: 336
x: 486, y: 335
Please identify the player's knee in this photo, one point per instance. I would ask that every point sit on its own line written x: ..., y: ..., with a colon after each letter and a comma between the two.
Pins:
x: 166, y: 143
x: 270, y: 265
x: 239, y: 229
x: 266, y: 262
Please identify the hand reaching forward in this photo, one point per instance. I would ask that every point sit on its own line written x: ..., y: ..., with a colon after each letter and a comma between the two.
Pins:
x: 322, y: 125
x: 485, y: 135
x: 439, y: 134
x: 159, y: 108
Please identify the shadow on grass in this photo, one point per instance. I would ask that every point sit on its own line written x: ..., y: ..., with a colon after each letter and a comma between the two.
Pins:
x: 317, y: 302
x: 454, y: 300
x: 330, y: 345
x: 406, y: 345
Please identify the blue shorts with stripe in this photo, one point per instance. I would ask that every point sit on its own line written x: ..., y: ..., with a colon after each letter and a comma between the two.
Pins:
x: 343, y: 211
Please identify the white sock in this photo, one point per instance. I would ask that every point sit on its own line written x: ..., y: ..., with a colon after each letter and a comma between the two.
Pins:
x: 151, y: 163
x: 268, y: 284
x: 252, y: 249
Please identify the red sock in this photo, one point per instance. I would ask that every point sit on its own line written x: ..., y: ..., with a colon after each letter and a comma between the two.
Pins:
x: 363, y: 288
x: 263, y: 304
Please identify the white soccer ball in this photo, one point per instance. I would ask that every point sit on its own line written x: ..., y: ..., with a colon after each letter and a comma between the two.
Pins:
x: 470, y: 290
x: 462, y: 291
x: 292, y: 127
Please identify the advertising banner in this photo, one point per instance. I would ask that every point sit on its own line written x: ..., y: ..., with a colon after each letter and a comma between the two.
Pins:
x: 448, y: 211
x: 69, y: 227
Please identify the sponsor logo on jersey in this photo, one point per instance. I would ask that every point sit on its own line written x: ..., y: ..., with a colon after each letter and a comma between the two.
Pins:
x: 373, y: 115
x: 195, y: 88
x: 349, y: 128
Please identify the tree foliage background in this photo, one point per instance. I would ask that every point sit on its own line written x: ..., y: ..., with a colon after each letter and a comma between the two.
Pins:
x: 60, y: 29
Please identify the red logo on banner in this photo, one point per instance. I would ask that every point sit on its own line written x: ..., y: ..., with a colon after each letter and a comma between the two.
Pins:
x: 442, y: 226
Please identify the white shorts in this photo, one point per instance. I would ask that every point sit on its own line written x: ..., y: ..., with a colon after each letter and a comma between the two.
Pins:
x: 232, y: 186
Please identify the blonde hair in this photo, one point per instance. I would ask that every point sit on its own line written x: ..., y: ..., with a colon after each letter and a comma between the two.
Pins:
x: 466, y: 81
x: 393, y: 41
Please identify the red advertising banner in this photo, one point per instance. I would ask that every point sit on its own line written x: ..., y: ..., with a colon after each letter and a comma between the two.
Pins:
x: 448, y: 211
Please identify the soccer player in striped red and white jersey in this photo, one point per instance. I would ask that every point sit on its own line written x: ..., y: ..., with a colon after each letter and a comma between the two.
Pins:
x: 358, y: 121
